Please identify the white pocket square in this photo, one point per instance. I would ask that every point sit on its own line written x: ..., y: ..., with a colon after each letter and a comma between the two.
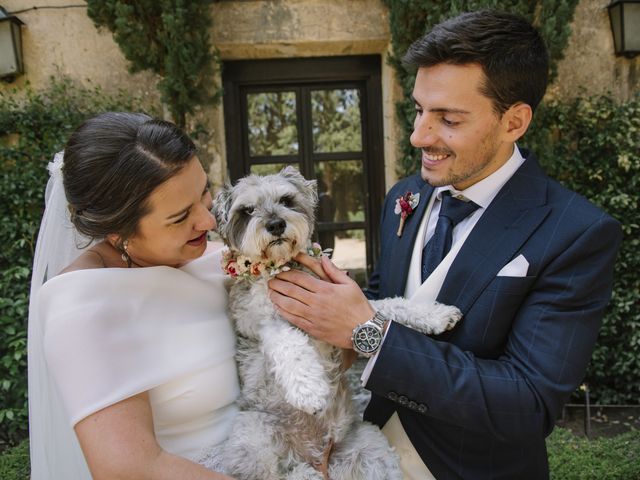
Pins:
x: 518, y: 267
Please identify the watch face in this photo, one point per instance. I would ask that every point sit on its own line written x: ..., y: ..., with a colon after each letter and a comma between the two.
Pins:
x: 367, y: 339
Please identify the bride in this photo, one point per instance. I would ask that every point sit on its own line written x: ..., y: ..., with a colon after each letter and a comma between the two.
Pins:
x: 131, y: 355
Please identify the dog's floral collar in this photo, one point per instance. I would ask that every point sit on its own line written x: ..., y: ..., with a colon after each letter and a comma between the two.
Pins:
x: 405, y: 205
x: 241, y: 267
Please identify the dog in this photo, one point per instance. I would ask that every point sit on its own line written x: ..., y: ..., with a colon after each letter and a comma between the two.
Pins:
x: 296, y: 419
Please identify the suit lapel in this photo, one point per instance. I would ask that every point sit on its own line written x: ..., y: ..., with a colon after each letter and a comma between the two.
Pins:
x: 509, y: 221
x: 403, y: 245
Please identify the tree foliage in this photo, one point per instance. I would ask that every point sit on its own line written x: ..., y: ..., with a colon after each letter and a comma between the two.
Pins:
x: 170, y: 38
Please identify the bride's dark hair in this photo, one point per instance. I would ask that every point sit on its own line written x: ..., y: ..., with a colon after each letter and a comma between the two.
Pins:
x: 112, y: 163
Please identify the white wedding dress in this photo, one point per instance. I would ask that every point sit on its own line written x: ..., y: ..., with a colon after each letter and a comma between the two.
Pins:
x: 110, y: 333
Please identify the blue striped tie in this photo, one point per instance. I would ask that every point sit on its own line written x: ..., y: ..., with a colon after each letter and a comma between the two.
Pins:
x: 452, y: 212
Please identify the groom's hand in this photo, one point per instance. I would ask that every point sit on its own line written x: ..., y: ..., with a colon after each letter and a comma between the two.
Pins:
x: 328, y: 307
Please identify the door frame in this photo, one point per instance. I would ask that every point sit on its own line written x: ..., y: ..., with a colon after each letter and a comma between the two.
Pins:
x: 238, y: 75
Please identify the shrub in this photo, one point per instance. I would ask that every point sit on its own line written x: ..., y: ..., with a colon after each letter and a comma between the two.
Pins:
x: 33, y: 126
x: 591, y: 145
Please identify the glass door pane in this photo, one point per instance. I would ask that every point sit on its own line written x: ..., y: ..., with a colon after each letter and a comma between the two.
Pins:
x: 271, y: 118
x: 341, y: 184
x: 341, y: 207
x: 350, y: 253
x: 336, y: 121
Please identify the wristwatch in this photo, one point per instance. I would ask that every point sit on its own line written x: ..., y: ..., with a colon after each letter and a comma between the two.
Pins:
x: 367, y: 337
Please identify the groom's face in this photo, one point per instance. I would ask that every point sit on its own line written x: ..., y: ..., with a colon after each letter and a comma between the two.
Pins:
x: 460, y: 135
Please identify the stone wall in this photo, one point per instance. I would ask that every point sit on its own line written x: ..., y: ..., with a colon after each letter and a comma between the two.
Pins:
x: 589, y: 64
x: 64, y: 41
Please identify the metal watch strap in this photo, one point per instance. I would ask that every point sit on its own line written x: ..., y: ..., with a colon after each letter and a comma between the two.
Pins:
x: 378, y: 320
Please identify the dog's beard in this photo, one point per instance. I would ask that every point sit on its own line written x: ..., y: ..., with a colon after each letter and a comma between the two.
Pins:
x: 258, y: 244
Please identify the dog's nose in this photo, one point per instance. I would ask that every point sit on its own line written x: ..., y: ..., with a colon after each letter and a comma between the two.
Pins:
x: 276, y: 226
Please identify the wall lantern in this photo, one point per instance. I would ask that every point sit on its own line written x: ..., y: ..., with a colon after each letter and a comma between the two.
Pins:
x: 625, y: 25
x: 10, y: 46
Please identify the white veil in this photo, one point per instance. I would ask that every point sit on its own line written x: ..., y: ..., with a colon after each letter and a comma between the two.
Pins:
x: 55, y: 451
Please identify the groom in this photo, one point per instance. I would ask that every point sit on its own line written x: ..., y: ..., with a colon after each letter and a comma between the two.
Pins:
x: 528, y: 262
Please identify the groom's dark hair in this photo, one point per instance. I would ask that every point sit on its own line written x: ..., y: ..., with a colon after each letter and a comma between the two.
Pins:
x: 112, y: 163
x: 509, y: 49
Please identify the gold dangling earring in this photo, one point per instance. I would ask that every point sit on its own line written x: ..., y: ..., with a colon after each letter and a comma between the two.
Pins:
x: 125, y: 254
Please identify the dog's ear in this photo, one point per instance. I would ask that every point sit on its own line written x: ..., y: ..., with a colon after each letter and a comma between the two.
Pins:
x: 308, y: 188
x: 222, y: 205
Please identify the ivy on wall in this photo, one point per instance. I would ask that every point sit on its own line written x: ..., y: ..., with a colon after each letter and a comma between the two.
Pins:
x: 170, y: 38
x: 411, y: 19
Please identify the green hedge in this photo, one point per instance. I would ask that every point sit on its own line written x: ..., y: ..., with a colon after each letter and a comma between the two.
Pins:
x: 592, y: 145
x: 33, y: 126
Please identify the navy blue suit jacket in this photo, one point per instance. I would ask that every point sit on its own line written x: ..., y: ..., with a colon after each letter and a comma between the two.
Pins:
x: 477, y: 402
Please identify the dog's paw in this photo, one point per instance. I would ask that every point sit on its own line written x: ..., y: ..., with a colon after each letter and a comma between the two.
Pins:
x: 446, y: 317
x: 429, y: 318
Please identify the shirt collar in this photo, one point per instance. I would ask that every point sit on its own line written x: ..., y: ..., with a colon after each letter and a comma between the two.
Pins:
x: 484, y: 191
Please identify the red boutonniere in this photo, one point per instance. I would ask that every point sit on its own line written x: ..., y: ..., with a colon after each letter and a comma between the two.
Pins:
x: 405, y: 205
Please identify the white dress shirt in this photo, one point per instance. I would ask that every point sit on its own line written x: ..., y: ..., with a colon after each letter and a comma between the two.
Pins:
x: 482, y: 193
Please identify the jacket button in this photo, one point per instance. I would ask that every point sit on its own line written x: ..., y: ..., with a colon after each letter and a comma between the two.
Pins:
x: 413, y: 405
x: 422, y: 408
x: 392, y: 396
x: 402, y: 400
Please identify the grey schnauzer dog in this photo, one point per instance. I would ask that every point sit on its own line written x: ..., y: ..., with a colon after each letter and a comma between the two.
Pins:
x: 297, y: 421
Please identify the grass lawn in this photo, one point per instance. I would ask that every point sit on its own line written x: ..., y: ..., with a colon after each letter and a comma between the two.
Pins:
x: 14, y: 462
x: 574, y: 457
x: 571, y: 457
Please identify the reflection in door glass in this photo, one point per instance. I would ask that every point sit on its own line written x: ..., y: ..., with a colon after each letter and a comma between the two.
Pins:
x: 350, y: 253
x: 336, y: 120
x: 340, y: 191
x: 272, y: 123
x: 270, y: 168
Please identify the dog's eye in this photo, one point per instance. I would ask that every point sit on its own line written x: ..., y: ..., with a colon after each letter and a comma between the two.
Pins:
x: 287, y: 201
x: 248, y: 210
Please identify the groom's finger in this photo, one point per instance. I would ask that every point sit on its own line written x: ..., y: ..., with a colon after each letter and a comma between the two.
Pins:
x: 334, y: 273
x: 302, y: 279
x: 293, y: 311
x: 312, y: 263
x: 292, y: 291
x: 295, y: 320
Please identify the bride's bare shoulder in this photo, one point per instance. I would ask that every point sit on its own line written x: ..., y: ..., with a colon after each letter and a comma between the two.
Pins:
x: 98, y: 256
x: 86, y: 261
